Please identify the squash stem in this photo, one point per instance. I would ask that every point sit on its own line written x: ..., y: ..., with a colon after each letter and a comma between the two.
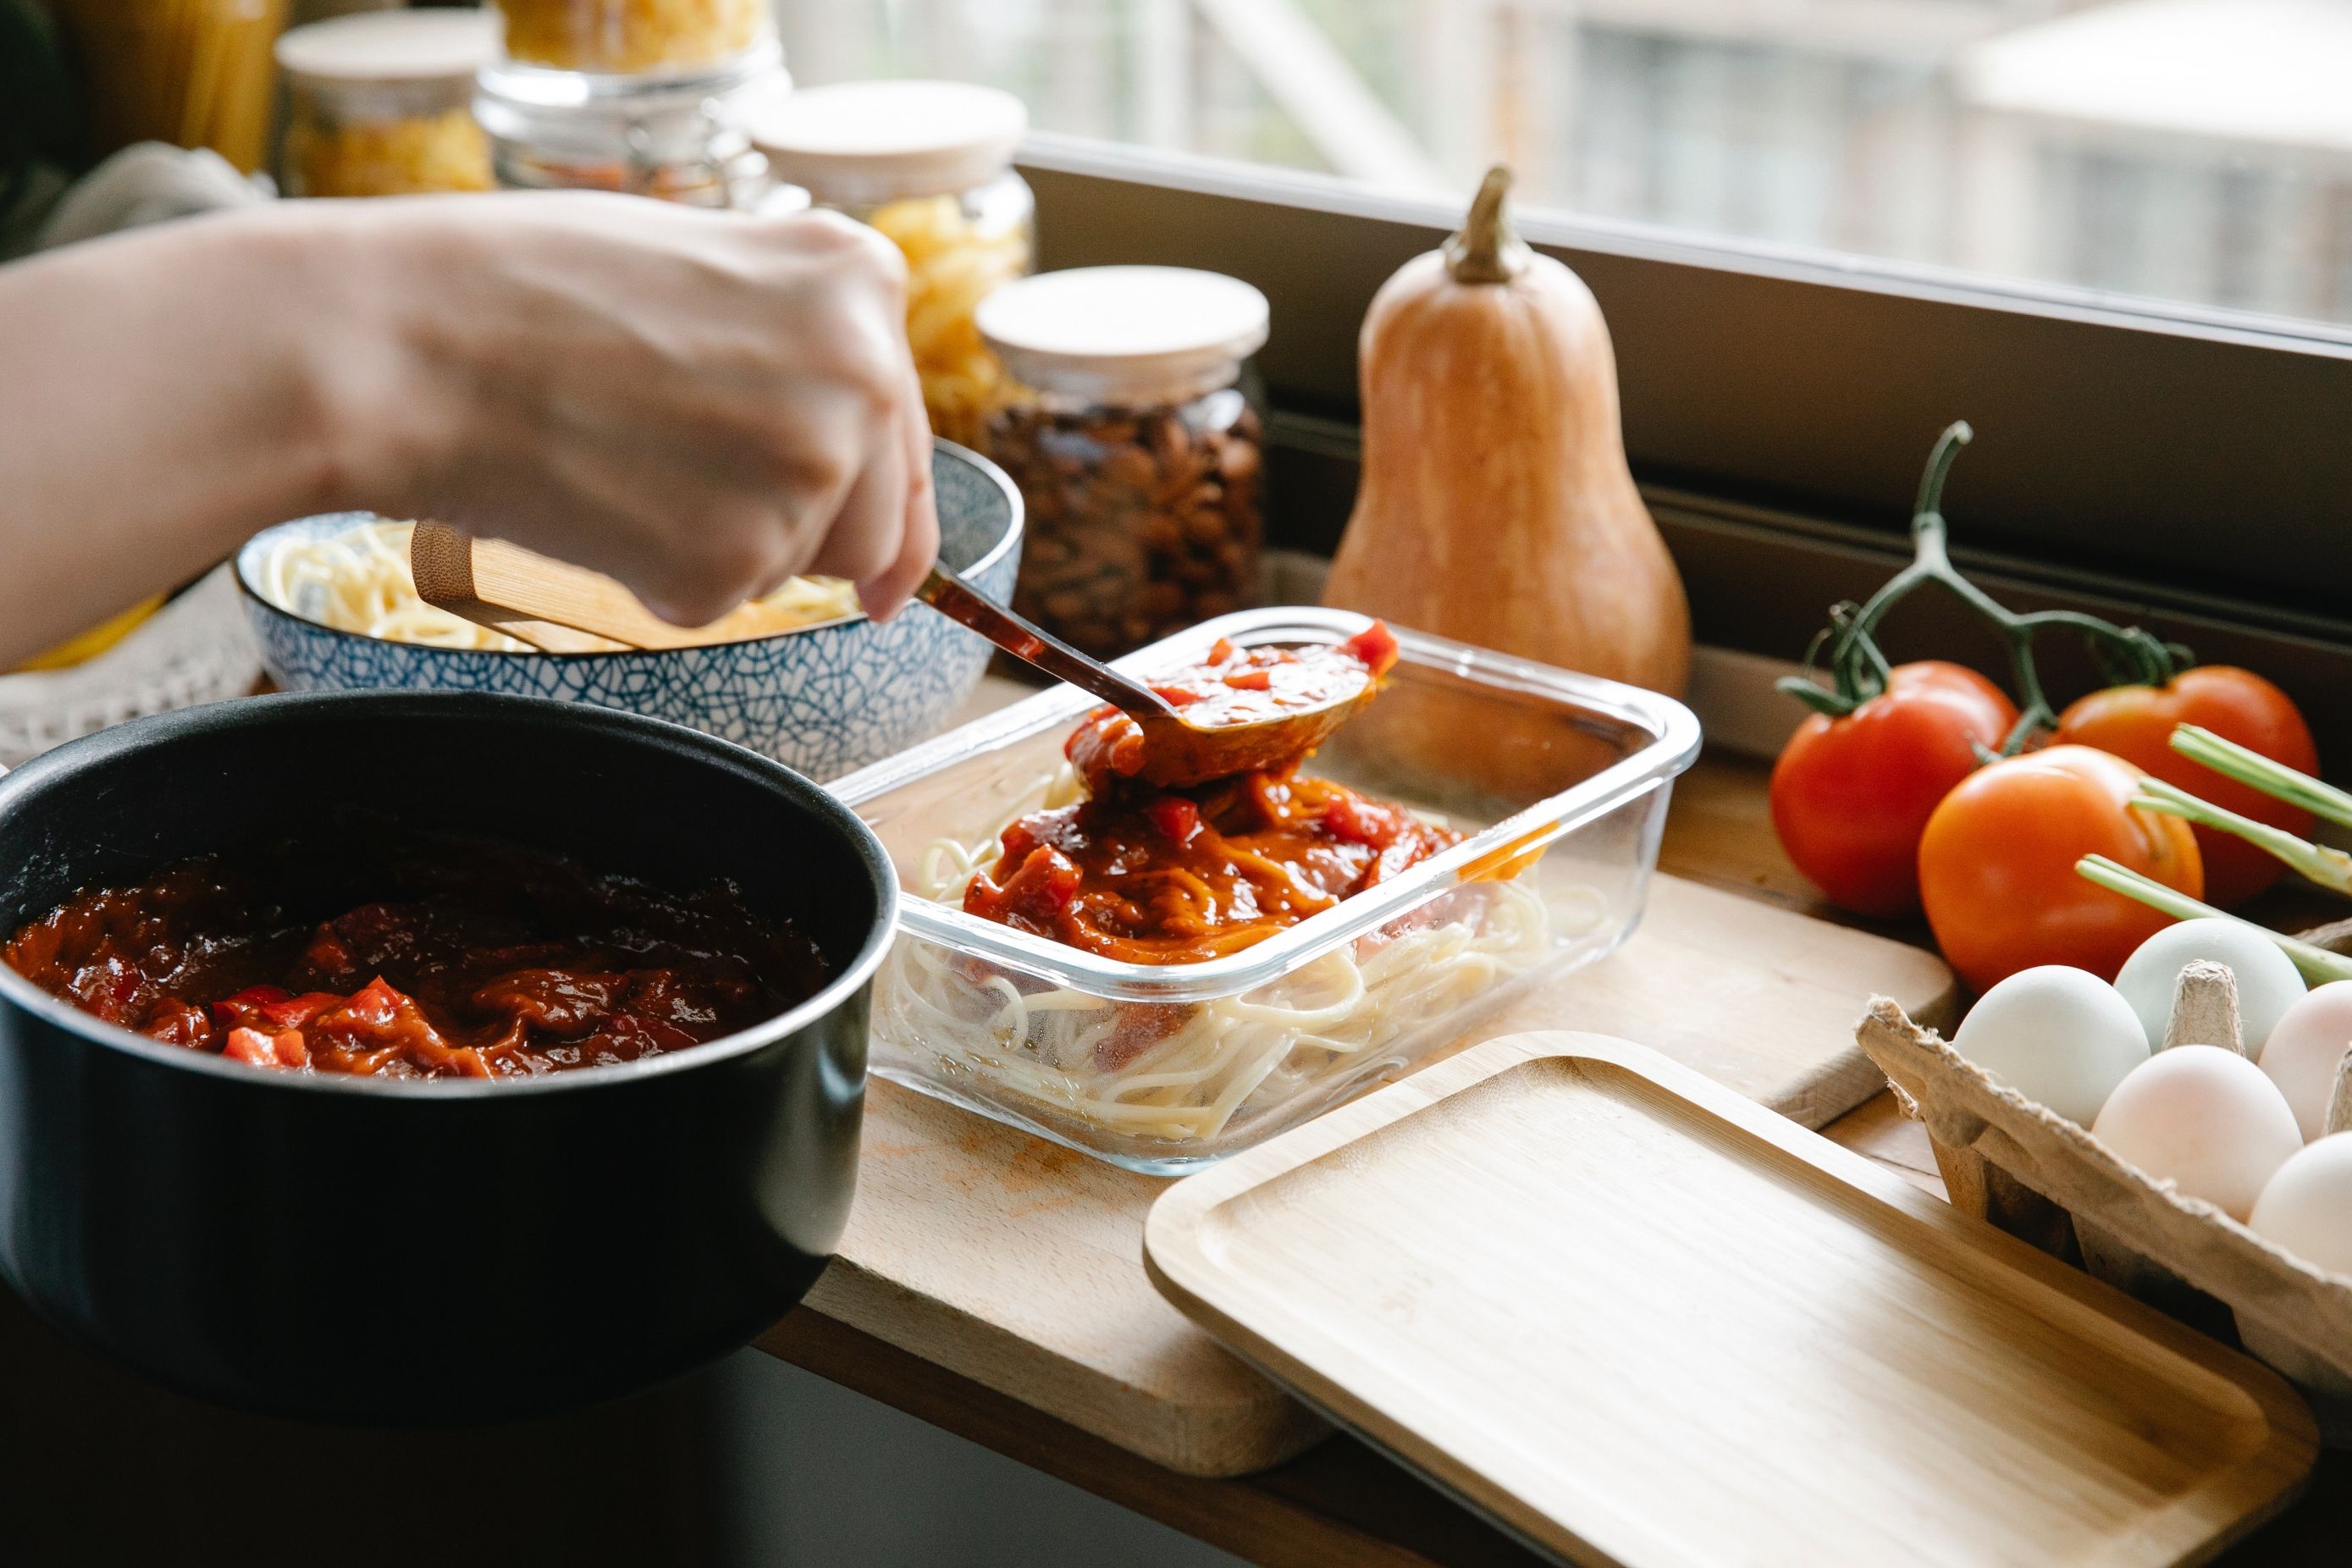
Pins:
x: 2316, y: 963
x: 1489, y: 249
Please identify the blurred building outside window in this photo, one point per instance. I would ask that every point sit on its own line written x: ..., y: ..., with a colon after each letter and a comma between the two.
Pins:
x: 2190, y: 152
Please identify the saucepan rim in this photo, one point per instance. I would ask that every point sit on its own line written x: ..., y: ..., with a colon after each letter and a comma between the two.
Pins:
x: 57, y: 769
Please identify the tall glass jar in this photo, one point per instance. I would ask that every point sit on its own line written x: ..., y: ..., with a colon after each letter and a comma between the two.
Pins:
x: 929, y: 163
x: 677, y: 139
x: 631, y: 37
x: 381, y: 104
x: 1136, y: 437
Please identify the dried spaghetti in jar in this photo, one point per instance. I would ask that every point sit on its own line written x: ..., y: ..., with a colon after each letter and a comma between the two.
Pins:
x: 929, y: 163
x: 1137, y: 443
x: 629, y: 37
x: 379, y: 104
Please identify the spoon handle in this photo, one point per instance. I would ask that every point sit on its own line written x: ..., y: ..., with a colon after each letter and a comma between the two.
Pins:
x: 956, y: 599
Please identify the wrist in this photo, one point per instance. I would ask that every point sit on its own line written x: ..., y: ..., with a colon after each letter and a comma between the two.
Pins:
x: 278, y: 279
x: 368, y: 418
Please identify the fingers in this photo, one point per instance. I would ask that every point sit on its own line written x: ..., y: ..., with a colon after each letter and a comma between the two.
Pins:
x: 863, y: 539
x: 885, y: 595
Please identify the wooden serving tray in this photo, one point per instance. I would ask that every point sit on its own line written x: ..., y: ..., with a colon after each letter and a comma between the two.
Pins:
x: 1640, y: 1320
x: 1013, y: 1261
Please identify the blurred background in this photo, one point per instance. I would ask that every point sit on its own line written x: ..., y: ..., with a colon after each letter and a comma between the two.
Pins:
x: 2196, y: 152
x: 2156, y: 154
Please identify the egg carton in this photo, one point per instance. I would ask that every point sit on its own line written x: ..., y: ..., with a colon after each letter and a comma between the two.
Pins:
x: 2049, y: 1181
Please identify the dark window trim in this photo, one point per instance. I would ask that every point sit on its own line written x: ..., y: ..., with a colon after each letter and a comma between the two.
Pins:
x: 2169, y: 453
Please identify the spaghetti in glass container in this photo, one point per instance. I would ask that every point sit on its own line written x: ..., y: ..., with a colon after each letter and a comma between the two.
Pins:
x: 1164, y: 1066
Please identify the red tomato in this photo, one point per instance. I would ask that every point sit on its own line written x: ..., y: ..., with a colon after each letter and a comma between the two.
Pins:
x: 2136, y: 723
x: 1851, y: 795
x: 1997, y: 864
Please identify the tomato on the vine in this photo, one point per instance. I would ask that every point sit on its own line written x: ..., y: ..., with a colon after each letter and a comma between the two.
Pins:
x: 1851, y: 795
x: 2136, y: 723
x: 1997, y: 864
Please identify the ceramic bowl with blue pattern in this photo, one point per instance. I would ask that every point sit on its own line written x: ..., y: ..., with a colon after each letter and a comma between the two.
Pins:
x: 824, y: 700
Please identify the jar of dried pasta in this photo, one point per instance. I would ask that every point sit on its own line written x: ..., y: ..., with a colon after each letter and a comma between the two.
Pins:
x: 676, y: 140
x: 930, y: 164
x: 1136, y: 438
x: 381, y: 104
x: 626, y: 37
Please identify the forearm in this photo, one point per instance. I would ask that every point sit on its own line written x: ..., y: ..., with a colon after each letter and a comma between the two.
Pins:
x: 161, y: 396
x: 698, y: 404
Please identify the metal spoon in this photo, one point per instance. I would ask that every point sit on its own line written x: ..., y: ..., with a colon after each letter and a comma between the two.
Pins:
x: 549, y: 604
x: 1176, y: 751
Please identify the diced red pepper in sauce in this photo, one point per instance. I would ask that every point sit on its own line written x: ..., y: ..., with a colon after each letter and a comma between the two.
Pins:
x: 286, y: 1049
x: 1175, y: 816
x: 498, y: 963
x: 1377, y: 647
x: 1151, y: 876
x: 1235, y: 685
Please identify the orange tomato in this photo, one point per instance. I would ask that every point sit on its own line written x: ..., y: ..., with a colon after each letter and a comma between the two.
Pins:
x: 1997, y: 864
x: 2136, y: 723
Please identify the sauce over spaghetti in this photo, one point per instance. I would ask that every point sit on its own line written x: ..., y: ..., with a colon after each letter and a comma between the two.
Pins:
x: 1151, y: 875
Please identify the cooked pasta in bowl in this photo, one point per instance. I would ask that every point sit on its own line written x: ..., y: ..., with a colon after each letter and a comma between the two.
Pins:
x: 810, y: 680
x: 1162, y: 978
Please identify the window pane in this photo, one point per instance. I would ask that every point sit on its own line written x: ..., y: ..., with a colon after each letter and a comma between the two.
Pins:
x: 2191, y: 151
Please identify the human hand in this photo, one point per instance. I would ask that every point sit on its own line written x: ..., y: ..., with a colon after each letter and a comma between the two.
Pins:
x: 700, y: 404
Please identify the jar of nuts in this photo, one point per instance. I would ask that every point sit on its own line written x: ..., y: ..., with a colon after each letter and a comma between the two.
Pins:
x: 1134, y: 433
x: 930, y: 164
x: 379, y: 104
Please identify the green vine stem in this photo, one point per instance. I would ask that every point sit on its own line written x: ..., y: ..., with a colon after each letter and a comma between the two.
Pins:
x: 2251, y: 768
x: 1858, y: 671
x: 2330, y: 869
x: 2316, y: 963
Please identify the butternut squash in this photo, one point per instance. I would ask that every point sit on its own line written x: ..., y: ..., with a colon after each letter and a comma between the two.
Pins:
x: 1495, y: 505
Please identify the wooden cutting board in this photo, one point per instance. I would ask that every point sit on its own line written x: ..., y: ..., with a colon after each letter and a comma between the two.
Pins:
x: 1640, y: 1321
x: 1013, y: 1261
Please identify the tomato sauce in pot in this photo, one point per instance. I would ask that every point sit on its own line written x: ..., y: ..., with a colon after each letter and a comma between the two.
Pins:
x: 472, y: 960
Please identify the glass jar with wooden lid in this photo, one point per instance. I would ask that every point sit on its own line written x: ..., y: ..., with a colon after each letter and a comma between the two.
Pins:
x: 1134, y: 433
x: 631, y: 37
x: 929, y: 163
x: 381, y: 104
x: 678, y: 139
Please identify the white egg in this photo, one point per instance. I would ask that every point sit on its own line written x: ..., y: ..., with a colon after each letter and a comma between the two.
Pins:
x: 2268, y: 982
x: 2204, y: 1117
x: 2303, y: 1049
x: 2059, y: 1035
x: 2307, y: 1207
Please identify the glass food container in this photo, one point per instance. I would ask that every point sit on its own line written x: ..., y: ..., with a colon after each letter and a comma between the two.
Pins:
x: 930, y: 164
x: 628, y: 38
x: 1561, y: 780
x: 381, y: 104
x: 675, y: 138
x: 1136, y: 440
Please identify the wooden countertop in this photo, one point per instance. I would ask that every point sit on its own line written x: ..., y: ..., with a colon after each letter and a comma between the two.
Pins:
x: 1342, y: 1505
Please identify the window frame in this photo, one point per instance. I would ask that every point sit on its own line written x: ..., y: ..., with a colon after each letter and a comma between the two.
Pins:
x: 2149, y: 453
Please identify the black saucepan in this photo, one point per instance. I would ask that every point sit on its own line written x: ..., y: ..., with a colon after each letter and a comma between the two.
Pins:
x: 353, y: 1250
